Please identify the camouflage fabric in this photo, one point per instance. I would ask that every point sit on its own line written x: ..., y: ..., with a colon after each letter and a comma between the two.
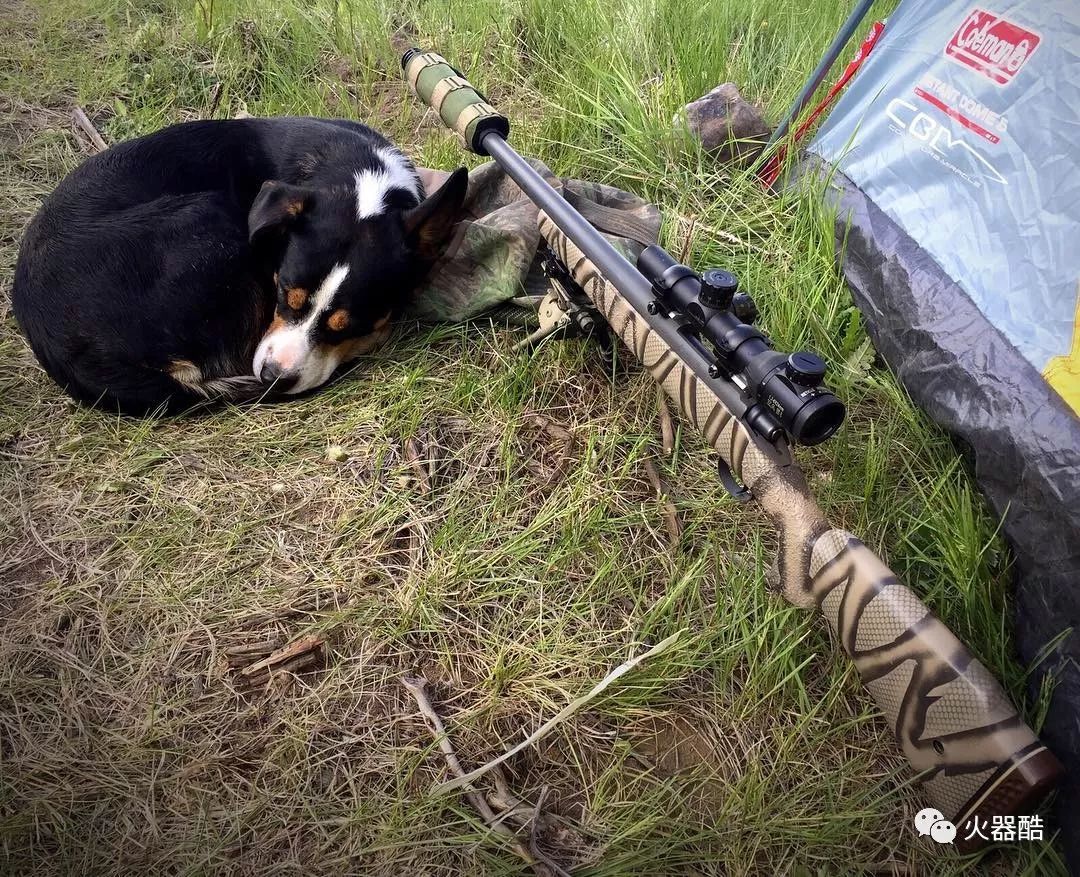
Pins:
x: 490, y: 264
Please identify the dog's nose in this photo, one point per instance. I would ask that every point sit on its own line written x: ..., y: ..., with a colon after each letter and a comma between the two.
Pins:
x: 273, y: 373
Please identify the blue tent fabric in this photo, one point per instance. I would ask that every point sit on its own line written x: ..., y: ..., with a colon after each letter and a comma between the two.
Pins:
x: 954, y: 160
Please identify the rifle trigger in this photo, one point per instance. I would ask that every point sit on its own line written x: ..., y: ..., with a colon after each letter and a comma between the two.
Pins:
x: 739, y: 491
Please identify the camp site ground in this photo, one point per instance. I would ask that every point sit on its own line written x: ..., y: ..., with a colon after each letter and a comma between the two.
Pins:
x: 458, y: 511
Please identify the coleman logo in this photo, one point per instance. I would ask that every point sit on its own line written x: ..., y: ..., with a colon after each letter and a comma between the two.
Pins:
x: 992, y: 46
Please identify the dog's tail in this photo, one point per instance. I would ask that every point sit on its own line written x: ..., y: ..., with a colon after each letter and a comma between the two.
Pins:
x: 181, y: 388
x: 198, y: 391
x: 238, y: 388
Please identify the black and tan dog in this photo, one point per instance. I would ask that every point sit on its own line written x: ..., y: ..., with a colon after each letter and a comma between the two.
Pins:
x: 225, y: 259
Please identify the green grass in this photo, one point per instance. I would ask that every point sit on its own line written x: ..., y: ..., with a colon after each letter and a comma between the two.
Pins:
x: 134, y: 553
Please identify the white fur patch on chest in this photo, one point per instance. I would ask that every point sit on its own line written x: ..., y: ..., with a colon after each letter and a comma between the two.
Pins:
x: 372, y: 186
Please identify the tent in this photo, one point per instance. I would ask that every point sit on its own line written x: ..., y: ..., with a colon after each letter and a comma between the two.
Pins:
x: 954, y: 157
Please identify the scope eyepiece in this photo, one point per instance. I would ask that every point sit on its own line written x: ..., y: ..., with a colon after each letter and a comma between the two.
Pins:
x: 818, y: 419
x: 789, y: 390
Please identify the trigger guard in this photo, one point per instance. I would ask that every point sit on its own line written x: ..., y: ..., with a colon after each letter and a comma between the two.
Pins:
x: 739, y: 492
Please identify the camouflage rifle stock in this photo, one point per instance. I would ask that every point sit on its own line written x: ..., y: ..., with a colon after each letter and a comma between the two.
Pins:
x: 953, y: 722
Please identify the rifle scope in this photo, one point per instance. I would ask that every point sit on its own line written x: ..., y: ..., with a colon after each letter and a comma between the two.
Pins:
x: 710, y: 308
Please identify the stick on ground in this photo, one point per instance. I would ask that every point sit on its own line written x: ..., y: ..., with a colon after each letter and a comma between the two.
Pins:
x: 667, y: 427
x: 417, y: 687
x: 560, y: 716
x: 672, y: 522
x: 301, y: 646
x: 87, y: 127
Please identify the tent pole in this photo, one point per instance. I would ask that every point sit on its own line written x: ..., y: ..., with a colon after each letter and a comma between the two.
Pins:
x: 815, y: 80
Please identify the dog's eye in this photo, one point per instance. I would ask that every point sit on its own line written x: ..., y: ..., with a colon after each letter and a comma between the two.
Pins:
x: 338, y: 320
x: 296, y: 297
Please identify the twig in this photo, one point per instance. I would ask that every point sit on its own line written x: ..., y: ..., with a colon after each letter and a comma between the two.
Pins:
x: 84, y: 123
x: 298, y: 647
x: 417, y: 687
x: 561, y: 716
x: 215, y: 99
x: 238, y: 657
x: 653, y: 474
x: 672, y: 524
x: 263, y: 648
x: 667, y: 427
x: 414, y: 453
x: 279, y: 671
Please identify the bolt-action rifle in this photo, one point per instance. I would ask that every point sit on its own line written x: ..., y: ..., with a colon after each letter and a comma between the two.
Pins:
x: 975, y: 756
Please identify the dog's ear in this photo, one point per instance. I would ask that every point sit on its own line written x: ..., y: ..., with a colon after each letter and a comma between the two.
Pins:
x: 428, y: 225
x: 276, y: 205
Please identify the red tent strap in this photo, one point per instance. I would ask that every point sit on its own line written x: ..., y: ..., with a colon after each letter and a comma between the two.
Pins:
x: 772, y: 168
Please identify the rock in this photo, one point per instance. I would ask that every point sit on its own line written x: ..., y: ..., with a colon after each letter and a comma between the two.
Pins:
x: 726, y: 124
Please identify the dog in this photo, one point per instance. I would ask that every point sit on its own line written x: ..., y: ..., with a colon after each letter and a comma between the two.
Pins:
x: 226, y: 260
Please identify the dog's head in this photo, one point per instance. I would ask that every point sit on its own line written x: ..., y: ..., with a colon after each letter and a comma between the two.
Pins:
x: 350, y: 258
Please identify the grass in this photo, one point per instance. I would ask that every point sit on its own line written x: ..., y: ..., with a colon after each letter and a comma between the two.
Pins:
x: 133, y: 554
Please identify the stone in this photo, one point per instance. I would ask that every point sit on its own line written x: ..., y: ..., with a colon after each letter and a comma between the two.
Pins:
x: 728, y: 126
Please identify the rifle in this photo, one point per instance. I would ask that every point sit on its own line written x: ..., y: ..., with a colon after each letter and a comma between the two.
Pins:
x: 975, y: 756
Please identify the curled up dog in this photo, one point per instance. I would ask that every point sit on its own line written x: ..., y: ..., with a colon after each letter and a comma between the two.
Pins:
x: 226, y: 260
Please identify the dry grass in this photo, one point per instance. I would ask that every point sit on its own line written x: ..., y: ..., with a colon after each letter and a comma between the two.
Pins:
x: 460, y: 539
